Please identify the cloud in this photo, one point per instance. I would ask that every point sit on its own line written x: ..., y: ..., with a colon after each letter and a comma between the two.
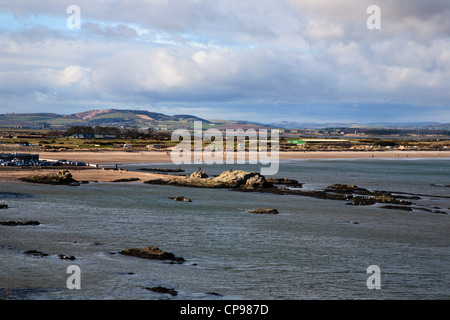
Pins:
x: 245, y: 56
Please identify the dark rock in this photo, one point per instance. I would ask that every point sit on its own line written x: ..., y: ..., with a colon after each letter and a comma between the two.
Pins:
x: 126, y: 180
x: 64, y: 257
x: 397, y: 208
x: 214, y: 294
x: 344, y: 188
x: 36, y: 253
x: 160, y: 289
x: 19, y: 223
x: 151, y: 253
x: 181, y: 198
x: 285, y: 181
x: 265, y: 211
x: 3, y: 205
x: 362, y: 201
x: 161, y: 170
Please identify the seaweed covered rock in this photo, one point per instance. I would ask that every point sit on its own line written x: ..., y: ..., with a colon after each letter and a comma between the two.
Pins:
x: 151, y: 253
x: 285, y: 181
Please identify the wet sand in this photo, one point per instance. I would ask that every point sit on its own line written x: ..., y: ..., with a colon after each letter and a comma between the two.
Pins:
x: 80, y: 174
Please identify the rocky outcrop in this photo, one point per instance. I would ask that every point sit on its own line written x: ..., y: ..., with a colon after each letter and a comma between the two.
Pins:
x: 151, y: 253
x: 228, y: 179
x: 181, y: 198
x: 265, y: 211
x: 240, y: 178
x: 63, y: 177
x: 198, y: 175
x: 244, y: 181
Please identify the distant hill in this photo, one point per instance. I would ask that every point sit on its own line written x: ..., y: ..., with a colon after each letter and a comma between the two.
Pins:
x: 145, y: 119
x: 106, y: 117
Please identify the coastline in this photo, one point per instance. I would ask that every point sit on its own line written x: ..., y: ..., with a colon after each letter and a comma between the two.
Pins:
x: 94, y: 174
x: 111, y: 157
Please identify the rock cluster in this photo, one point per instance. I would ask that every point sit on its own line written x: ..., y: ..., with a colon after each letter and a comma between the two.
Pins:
x: 228, y: 179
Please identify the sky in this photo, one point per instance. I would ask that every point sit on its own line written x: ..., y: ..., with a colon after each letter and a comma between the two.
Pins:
x: 255, y: 60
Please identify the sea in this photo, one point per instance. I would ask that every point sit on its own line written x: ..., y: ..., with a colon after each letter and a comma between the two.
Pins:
x: 313, y: 249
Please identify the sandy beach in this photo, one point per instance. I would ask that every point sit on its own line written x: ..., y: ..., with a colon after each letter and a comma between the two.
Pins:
x: 82, y: 174
x: 111, y: 157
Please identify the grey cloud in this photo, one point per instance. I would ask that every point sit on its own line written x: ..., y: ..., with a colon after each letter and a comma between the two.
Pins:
x: 293, y: 52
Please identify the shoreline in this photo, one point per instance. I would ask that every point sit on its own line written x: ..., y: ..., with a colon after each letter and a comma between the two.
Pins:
x: 93, y: 173
x: 120, y: 157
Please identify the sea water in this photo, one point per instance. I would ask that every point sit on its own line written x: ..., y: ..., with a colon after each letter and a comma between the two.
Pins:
x: 313, y: 249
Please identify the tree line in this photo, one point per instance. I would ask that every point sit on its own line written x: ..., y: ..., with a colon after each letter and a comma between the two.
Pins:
x: 132, y: 133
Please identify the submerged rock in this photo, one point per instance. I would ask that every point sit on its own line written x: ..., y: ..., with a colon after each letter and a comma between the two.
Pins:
x: 181, y: 198
x: 36, y: 253
x: 397, y: 208
x: 64, y: 257
x: 160, y: 289
x: 265, y: 211
x: 285, y: 181
x: 151, y: 253
x: 19, y: 223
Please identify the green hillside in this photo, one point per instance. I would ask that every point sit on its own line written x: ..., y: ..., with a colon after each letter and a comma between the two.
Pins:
x: 106, y: 117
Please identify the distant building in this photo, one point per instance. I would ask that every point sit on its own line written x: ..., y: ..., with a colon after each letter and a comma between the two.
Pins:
x: 297, y: 141
x: 92, y: 136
